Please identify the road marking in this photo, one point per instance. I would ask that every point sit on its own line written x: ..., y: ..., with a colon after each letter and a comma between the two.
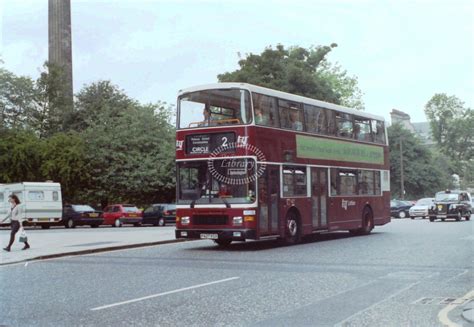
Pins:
x: 456, y: 276
x: 345, y: 321
x: 443, y: 314
x: 164, y: 293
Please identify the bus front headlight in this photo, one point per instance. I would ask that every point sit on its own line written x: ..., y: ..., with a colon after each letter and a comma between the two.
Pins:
x: 237, y: 221
x: 185, y: 220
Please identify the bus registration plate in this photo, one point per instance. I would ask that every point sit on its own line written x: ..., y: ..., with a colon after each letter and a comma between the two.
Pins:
x: 209, y: 236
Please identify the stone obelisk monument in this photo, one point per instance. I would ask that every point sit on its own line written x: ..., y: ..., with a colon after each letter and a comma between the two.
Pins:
x: 60, y: 40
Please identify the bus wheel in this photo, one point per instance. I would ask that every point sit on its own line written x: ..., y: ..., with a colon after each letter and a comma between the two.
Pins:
x: 292, y: 230
x: 367, y: 223
x: 223, y: 242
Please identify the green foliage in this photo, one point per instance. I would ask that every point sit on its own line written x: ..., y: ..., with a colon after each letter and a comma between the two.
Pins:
x: 130, y: 147
x: 424, y: 173
x: 452, y: 127
x: 17, y: 100
x: 20, y: 156
x: 53, y: 102
x: 64, y: 160
x: 300, y: 71
x: 110, y: 148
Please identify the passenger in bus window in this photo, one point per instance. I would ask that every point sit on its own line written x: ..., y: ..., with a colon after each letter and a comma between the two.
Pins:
x: 295, y: 121
x: 260, y: 117
x: 208, y: 119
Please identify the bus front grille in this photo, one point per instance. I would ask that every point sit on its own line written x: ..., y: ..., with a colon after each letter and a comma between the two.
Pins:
x: 210, y: 220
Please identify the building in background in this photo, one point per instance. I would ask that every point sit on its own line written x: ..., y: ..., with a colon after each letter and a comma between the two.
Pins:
x: 422, y: 130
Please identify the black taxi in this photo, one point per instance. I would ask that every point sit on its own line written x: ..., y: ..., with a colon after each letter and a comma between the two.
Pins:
x: 451, y: 204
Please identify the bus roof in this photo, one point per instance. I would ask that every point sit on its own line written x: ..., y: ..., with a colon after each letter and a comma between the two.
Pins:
x: 280, y: 94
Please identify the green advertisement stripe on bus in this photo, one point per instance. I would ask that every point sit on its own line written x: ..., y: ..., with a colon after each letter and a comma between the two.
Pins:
x: 318, y: 148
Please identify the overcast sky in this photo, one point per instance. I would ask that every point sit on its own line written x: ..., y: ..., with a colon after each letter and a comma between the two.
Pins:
x: 403, y: 52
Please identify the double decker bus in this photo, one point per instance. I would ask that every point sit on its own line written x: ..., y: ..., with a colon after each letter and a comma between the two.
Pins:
x: 255, y: 163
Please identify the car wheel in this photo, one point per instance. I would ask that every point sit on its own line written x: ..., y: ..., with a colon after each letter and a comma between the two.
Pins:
x: 432, y: 219
x: 223, y: 243
x: 412, y: 217
x: 468, y: 215
x: 137, y: 224
x: 402, y: 214
x: 118, y: 223
x: 94, y: 226
x: 70, y: 223
x: 161, y: 222
x: 458, y: 218
x: 442, y: 219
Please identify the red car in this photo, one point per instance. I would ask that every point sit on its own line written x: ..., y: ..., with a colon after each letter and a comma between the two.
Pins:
x: 119, y: 214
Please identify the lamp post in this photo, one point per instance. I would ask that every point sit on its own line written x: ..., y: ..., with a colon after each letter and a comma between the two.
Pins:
x: 402, y: 181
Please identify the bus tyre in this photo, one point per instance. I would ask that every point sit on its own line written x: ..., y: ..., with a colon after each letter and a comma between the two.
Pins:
x: 292, y: 229
x: 223, y: 243
x: 367, y: 223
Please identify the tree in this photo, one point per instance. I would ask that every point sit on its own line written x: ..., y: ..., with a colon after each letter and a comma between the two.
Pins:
x: 54, y: 105
x: 17, y: 100
x: 40, y: 105
x: 423, y: 175
x: 452, y: 126
x: 300, y: 71
x: 20, y: 156
x: 130, y: 147
x: 63, y: 160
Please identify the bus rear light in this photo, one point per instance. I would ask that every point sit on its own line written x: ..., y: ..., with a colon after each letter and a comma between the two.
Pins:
x: 249, y: 219
x: 237, y: 221
x: 185, y: 220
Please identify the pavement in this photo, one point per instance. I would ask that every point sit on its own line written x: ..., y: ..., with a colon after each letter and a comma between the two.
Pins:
x: 58, y: 241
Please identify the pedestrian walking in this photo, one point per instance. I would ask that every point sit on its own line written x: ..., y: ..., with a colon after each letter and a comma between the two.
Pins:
x: 17, y: 216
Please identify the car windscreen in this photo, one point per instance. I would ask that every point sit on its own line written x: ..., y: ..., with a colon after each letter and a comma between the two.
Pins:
x: 446, y: 197
x: 424, y: 202
x: 130, y: 209
x: 82, y: 208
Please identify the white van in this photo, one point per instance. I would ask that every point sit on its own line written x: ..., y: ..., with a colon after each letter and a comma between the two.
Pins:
x: 43, y: 202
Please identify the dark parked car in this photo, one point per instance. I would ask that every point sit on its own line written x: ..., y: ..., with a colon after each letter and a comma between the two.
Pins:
x: 451, y: 204
x: 80, y: 214
x: 399, y: 208
x: 160, y: 214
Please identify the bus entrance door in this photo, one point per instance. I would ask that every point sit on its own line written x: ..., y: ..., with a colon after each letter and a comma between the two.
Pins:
x: 319, y: 196
x: 268, y: 196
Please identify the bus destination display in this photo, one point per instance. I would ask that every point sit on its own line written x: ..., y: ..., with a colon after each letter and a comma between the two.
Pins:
x: 207, y: 143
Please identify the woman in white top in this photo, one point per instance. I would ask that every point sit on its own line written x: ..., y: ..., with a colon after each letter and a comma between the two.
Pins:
x: 17, y: 216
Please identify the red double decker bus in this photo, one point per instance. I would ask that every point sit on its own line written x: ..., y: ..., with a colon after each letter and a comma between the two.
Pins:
x: 255, y: 163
